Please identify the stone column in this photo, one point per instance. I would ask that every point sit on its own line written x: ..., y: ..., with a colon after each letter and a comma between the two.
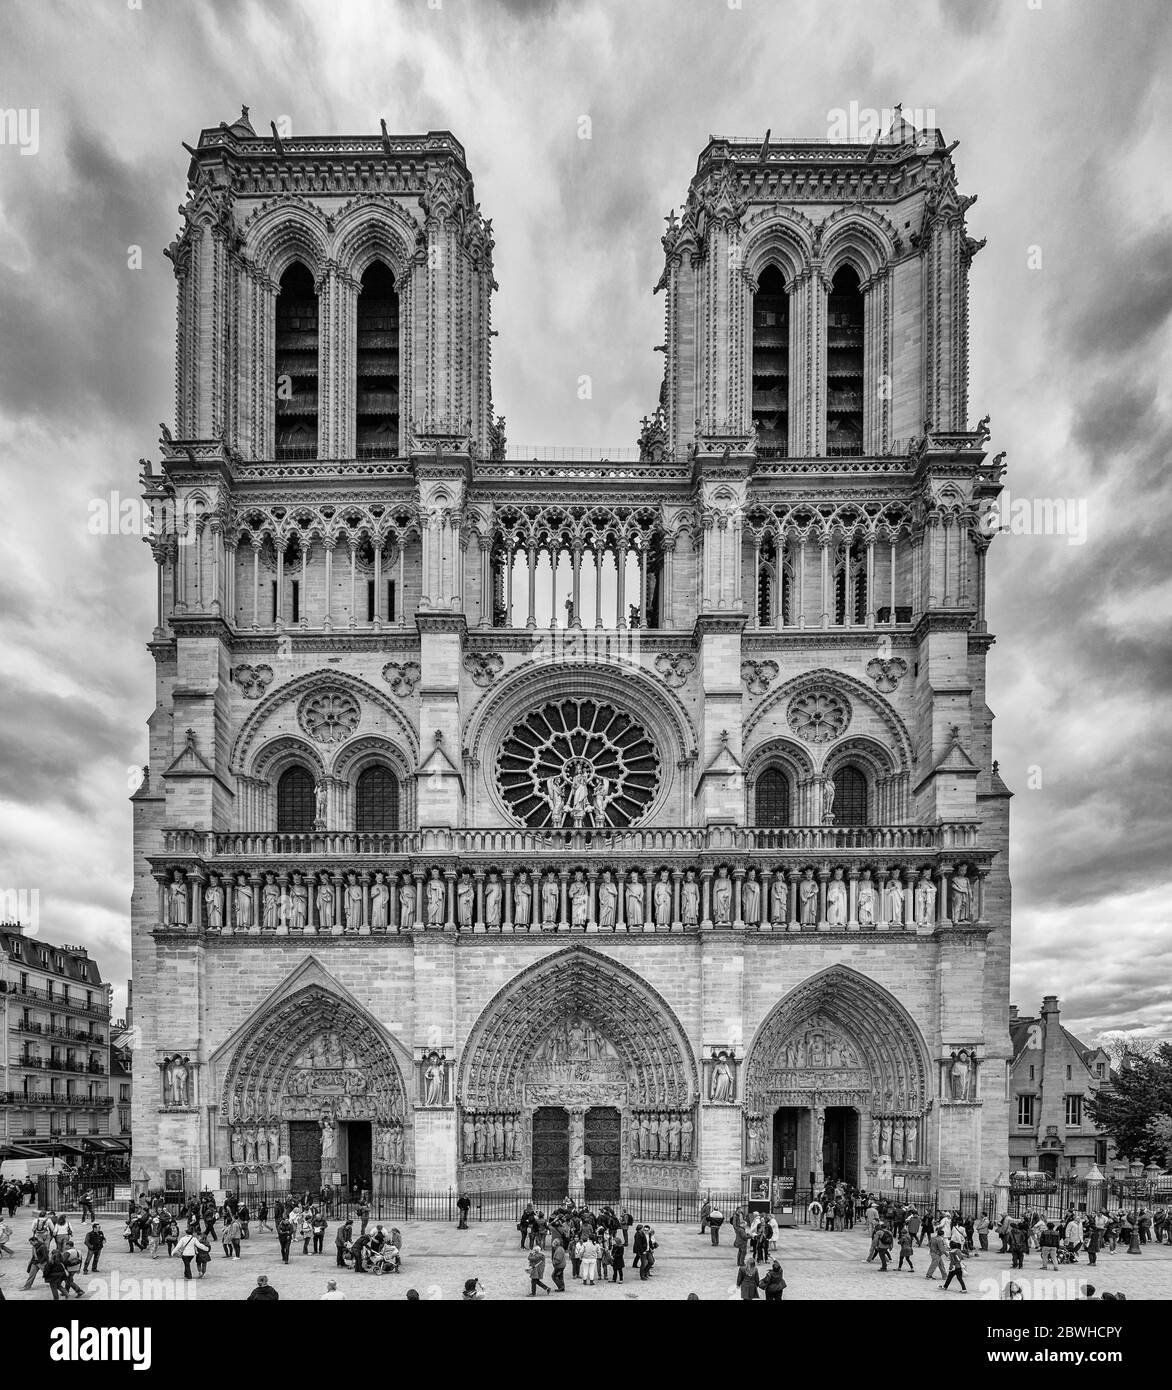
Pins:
x: 852, y: 916
x: 450, y: 912
x: 592, y: 898
x: 677, y: 878
x: 577, y: 1149
x: 507, y: 903
x: 942, y: 905
x: 817, y: 1131
x: 531, y: 620
x: 195, y: 880
x: 575, y: 592
x: 738, y: 919
x: 364, y: 880
x: 881, y: 922
x: 327, y: 617
x: 419, y: 922
x: 620, y: 559
x: 648, y: 900
x: 794, y: 878
x: 563, y: 907
x: 339, y: 921
x: 598, y: 553
x: 823, y: 879
x: 478, y: 923
x: 706, y: 898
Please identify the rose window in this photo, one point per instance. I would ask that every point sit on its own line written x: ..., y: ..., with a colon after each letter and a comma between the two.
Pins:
x: 329, y: 716
x: 819, y: 716
x: 578, y: 763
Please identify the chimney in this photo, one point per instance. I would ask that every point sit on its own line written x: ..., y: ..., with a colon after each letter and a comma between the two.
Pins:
x: 1013, y: 1013
x: 1050, y: 1006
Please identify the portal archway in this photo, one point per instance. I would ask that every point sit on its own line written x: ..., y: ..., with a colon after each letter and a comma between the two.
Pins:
x: 837, y: 1079
x: 577, y: 1078
x: 312, y: 1093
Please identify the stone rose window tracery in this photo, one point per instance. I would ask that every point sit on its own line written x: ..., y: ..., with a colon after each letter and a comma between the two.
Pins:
x: 578, y: 762
x: 818, y: 716
x: 329, y: 716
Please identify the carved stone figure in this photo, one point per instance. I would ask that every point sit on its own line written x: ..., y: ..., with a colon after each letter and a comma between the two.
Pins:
x: 894, y: 895
x: 751, y: 900
x: 644, y: 1136
x: 961, y: 896
x: 468, y: 1131
x: 960, y: 1075
x: 436, y: 897
x: 498, y: 1137
x: 602, y: 799
x: 722, y: 1079
x: 380, y: 896
x: 664, y: 1127
x: 522, y: 899
x: 328, y: 1142
x: 636, y: 1136
x: 897, y: 1143
x: 175, y: 1077
x: 433, y: 1080
x: 910, y: 1141
x: 243, y: 904
x: 866, y: 900
x: 406, y: 904
x: 686, y: 1128
x: 213, y: 900
x: 722, y: 898
x: 673, y: 1137
x: 550, y: 898
x: 827, y: 784
x: 319, y: 805
x: 885, y: 1137
x: 298, y: 904
x: 819, y: 1136
x: 634, y: 900
x: 324, y: 898
x: 808, y: 900
x: 270, y: 904
x: 465, y: 902
x: 924, y: 906
x: 756, y: 1142
x: 875, y: 1138
x: 608, y: 897
x: 662, y: 900
x: 352, y: 903
x: 690, y: 900
x: 777, y: 897
x: 836, y: 903
x: 479, y: 1149
x: 492, y: 901
x: 177, y: 900
x: 510, y: 1137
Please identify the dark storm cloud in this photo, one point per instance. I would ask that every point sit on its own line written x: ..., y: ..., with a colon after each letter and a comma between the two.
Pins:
x: 1120, y: 303
x: 51, y: 746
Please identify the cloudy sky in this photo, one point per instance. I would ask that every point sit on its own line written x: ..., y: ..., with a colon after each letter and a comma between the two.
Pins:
x: 1062, y: 117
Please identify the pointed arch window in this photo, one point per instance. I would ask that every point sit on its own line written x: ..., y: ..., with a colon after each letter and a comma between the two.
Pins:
x: 377, y: 800
x: 844, y: 366
x: 773, y: 804
x: 850, y: 796
x: 850, y: 584
x: 295, y: 802
x: 296, y: 365
x: 377, y: 425
x: 771, y: 365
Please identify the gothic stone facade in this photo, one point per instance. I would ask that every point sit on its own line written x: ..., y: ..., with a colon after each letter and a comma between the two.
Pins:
x: 521, y: 823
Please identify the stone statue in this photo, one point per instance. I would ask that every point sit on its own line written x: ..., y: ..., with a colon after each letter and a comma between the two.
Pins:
x: 925, y: 898
x: 213, y: 900
x: 808, y: 900
x: 663, y: 1147
x: 550, y: 897
x: 510, y: 1136
x: 875, y: 1138
x: 522, y: 900
x: 894, y: 912
x: 686, y: 1128
x: 961, y: 896
x: 324, y: 897
x: 756, y: 1144
x: 492, y: 901
x: 777, y: 897
x: 465, y: 902
x: 406, y: 904
x: 468, y: 1130
x: 634, y: 900
x: 690, y: 900
x: 579, y: 900
x: 251, y: 1146
x: 177, y: 900
x: 270, y: 899
x: 433, y: 1080
x: 819, y: 1136
x: 897, y: 1143
x: 661, y: 895
x: 911, y: 1140
x: 235, y: 1145
x: 298, y: 904
x: 722, y: 1080
x: 352, y: 903
x: 498, y: 1137
x: 602, y: 799
x: 436, y: 897
x: 960, y: 1075
x: 319, y: 805
x: 751, y: 900
x: 827, y: 784
x: 380, y: 896
x: 673, y: 1137
x: 644, y: 1136
x: 885, y: 1137
x: 581, y: 778
x: 328, y: 1141
x: 608, y: 897
x: 836, y: 903
x: 722, y: 898
x: 636, y: 1133
x: 555, y: 798
x: 179, y: 1075
x: 243, y: 904
x: 866, y: 900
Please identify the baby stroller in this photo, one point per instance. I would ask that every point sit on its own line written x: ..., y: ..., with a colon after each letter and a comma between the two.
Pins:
x: 386, y: 1260
x: 1068, y: 1253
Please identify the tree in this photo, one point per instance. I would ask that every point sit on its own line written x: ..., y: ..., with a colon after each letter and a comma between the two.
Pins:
x: 1135, y: 1110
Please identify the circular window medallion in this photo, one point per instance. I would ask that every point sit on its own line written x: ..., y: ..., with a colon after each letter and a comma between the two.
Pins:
x: 329, y: 716
x: 818, y: 716
x: 578, y: 763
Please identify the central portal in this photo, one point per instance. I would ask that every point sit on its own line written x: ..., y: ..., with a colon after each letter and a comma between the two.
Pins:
x: 840, y: 1145
x: 304, y: 1155
x: 551, y: 1155
x: 603, y: 1154
x: 358, y: 1155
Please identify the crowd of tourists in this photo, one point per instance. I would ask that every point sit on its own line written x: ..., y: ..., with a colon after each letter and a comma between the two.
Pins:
x: 593, y: 1245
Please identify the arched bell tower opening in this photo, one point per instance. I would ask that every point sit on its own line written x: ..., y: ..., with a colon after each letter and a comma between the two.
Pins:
x: 578, y: 1079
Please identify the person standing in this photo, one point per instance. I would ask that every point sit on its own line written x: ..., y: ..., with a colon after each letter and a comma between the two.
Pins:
x: 618, y: 1254
x: 775, y: 1284
x: 715, y: 1222
x: 536, y: 1267
x: 557, y: 1263
x: 284, y: 1237
x: 1048, y: 1245
x: 906, y: 1245
x: 262, y: 1217
x: 264, y: 1291
x: 95, y: 1238
x: 589, y: 1260
x: 463, y: 1206
x: 318, y: 1227
x: 233, y: 1233
x: 341, y: 1241
x: 748, y: 1280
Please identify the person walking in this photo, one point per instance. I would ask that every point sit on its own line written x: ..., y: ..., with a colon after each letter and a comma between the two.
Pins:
x: 1048, y: 1245
x: 557, y: 1264
x: 905, y: 1250
x: 955, y: 1268
x: 982, y: 1230
x: 536, y: 1266
x: 262, y: 1217
x: 186, y: 1252
x: 232, y: 1236
x: 618, y: 1255
x: 1019, y: 1241
x: 748, y: 1280
x: 203, y: 1255
x: 884, y: 1241
x: 775, y: 1284
x: 937, y: 1250
x: 284, y: 1238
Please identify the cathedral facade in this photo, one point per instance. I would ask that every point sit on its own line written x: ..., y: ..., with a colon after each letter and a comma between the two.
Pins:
x: 556, y: 824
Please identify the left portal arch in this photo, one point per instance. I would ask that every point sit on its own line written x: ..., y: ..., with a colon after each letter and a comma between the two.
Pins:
x: 576, y: 1068
x: 310, y: 1087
